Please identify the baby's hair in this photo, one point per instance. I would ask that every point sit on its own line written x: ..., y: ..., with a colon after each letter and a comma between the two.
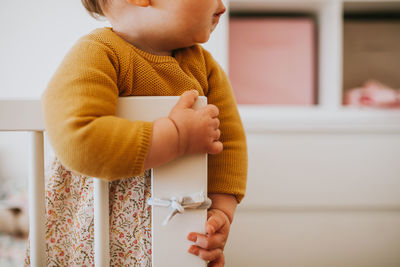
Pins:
x: 95, y: 7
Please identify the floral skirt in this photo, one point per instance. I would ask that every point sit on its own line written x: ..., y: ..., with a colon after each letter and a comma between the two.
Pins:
x: 70, y: 217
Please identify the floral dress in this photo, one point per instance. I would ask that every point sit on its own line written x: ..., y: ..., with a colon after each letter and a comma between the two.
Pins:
x: 70, y: 217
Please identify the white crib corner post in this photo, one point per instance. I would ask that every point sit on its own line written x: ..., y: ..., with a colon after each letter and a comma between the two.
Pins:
x: 101, y: 223
x: 37, y: 200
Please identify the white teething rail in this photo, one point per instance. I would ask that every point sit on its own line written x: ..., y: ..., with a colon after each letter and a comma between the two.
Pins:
x: 25, y: 115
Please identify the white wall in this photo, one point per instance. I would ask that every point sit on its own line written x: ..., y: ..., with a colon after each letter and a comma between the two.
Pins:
x: 35, y: 37
x: 320, y: 195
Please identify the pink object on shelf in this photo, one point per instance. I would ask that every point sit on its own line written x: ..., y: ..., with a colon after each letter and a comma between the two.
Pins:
x: 373, y: 94
x: 272, y: 61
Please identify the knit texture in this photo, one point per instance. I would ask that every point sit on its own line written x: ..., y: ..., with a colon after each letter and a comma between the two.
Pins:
x: 80, y: 101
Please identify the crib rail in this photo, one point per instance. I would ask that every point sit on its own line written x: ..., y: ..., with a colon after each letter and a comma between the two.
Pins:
x: 21, y: 115
x: 25, y: 115
x: 181, y: 177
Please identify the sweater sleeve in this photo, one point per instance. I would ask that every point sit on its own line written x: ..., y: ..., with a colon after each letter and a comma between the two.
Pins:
x: 227, y: 172
x: 79, y: 107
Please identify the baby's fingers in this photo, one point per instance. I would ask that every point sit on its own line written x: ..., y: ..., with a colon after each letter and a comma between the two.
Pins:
x: 207, y: 255
x: 215, y: 123
x: 208, y: 242
x: 217, y: 134
x: 187, y: 99
x: 219, y: 262
x: 215, y: 148
x: 216, y: 221
x: 212, y: 110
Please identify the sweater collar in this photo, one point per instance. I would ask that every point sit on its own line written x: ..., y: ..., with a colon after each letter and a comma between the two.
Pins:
x: 144, y: 54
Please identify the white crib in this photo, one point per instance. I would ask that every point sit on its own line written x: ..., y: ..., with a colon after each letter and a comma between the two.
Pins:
x: 25, y: 115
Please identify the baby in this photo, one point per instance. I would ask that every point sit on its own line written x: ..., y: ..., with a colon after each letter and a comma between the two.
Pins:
x: 151, y: 50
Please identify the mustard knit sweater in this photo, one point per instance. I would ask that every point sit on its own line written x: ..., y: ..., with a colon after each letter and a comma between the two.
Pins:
x: 80, y: 103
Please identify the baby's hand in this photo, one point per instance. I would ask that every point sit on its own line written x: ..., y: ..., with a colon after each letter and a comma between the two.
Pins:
x: 210, y: 247
x: 197, y: 129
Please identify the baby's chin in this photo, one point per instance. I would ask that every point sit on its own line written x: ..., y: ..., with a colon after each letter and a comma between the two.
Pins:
x: 206, y: 36
x: 199, y: 39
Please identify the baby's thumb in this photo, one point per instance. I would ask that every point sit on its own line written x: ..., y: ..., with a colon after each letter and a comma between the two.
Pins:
x: 187, y: 99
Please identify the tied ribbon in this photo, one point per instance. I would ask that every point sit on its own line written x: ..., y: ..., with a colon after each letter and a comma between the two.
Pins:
x: 179, y: 204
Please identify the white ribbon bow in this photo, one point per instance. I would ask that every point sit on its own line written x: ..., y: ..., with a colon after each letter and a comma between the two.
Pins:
x: 179, y: 204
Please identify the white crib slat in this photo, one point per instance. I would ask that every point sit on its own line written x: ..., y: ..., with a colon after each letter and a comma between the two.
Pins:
x: 101, y: 223
x: 37, y: 200
x: 182, y: 177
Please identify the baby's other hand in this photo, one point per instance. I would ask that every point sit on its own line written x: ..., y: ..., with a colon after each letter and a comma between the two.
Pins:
x: 210, y: 247
x: 197, y: 129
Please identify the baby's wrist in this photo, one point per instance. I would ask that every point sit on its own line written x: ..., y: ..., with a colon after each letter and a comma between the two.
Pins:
x: 180, y: 137
x: 228, y: 217
x: 164, y: 143
x: 226, y: 203
x: 174, y: 139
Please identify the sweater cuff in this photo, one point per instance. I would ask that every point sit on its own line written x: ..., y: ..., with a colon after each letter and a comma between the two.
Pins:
x: 227, y: 186
x: 138, y: 163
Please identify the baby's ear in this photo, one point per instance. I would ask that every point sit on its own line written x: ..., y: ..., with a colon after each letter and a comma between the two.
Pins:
x: 142, y: 3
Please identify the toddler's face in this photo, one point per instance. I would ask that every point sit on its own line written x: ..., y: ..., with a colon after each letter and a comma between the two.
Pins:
x: 192, y: 20
x: 161, y: 26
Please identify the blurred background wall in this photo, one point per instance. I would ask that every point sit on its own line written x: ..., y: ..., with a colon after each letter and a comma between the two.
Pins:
x: 35, y: 37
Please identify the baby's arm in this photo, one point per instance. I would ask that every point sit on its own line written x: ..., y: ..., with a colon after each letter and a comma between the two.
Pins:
x: 184, y: 131
x: 79, y: 107
x: 227, y: 171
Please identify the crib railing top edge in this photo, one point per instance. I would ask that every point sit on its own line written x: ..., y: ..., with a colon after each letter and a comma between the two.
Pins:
x: 25, y: 114
x: 21, y: 114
